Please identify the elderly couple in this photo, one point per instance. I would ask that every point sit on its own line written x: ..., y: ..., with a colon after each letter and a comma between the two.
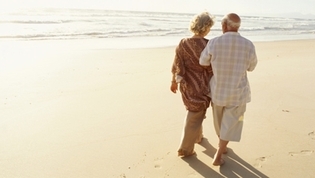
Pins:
x: 213, y: 72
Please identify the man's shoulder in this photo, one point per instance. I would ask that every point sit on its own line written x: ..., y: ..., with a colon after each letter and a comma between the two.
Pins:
x: 246, y: 39
x: 215, y: 39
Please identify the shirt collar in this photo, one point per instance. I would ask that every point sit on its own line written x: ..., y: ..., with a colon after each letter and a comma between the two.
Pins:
x: 231, y: 33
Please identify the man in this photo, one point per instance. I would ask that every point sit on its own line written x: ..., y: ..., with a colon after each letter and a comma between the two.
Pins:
x: 230, y: 56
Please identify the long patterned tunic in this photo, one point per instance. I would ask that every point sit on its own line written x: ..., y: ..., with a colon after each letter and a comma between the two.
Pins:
x: 194, y: 78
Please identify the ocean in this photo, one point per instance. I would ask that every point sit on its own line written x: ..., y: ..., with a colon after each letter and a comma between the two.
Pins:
x: 134, y: 27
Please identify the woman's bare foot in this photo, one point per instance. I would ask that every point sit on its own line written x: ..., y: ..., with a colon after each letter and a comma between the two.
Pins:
x: 183, y: 153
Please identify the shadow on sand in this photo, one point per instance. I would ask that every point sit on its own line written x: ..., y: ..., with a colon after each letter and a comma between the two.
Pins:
x: 234, y: 165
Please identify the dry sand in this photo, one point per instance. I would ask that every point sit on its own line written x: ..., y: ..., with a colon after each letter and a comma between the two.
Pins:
x: 92, y: 112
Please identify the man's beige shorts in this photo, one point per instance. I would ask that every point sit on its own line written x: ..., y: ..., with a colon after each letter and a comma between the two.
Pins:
x: 228, y: 121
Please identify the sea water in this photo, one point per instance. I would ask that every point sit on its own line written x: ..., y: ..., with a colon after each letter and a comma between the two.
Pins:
x: 137, y: 29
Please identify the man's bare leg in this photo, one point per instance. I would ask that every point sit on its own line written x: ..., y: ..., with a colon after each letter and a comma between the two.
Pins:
x: 226, y: 150
x: 217, y: 160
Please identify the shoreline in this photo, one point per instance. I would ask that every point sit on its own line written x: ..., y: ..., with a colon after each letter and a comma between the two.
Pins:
x: 139, y: 42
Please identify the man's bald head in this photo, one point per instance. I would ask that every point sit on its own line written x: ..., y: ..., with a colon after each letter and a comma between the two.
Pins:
x: 232, y: 22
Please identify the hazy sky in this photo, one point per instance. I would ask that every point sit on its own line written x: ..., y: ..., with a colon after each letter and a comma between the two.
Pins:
x: 246, y: 7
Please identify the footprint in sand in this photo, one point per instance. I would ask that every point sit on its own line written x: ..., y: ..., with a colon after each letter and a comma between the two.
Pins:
x: 312, y: 135
x: 260, y: 161
x: 158, y: 162
x: 303, y: 152
x: 122, y: 176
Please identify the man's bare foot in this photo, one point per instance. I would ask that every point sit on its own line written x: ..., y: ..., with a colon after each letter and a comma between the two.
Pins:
x: 225, y: 151
x: 199, y: 140
x: 217, y: 159
x: 218, y: 163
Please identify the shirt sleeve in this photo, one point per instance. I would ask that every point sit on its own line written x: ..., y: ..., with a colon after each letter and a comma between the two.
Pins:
x: 205, y: 56
x: 178, y: 67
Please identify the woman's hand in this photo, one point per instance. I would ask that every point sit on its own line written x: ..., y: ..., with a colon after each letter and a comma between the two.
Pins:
x: 174, y: 87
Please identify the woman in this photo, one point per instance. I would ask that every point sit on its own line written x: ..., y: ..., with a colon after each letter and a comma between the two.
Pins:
x: 194, y: 81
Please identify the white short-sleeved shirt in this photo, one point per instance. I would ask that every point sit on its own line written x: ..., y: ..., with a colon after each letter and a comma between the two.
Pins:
x: 230, y: 56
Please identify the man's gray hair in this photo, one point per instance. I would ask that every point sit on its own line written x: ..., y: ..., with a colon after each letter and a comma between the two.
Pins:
x: 231, y: 23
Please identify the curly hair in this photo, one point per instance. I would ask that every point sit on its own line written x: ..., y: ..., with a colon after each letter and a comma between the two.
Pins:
x: 201, y: 22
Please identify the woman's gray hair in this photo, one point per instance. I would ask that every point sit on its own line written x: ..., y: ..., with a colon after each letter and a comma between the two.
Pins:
x: 201, y: 22
x: 231, y: 23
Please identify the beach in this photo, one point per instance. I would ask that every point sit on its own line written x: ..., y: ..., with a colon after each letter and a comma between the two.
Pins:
x: 78, y: 110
